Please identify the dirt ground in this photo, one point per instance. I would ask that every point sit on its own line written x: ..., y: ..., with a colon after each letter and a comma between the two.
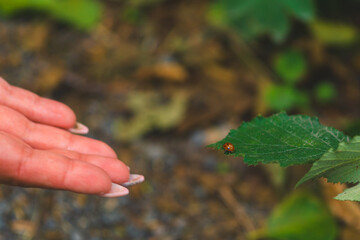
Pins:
x: 158, y: 91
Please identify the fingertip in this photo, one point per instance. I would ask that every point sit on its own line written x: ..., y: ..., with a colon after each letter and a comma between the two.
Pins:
x: 122, y: 174
x: 65, y: 115
x: 88, y: 179
x: 104, y: 150
x: 134, y: 179
x: 79, y: 128
x: 49, y: 111
x: 100, y: 183
x: 116, y: 190
x: 103, y: 186
x: 71, y: 118
x: 36, y: 108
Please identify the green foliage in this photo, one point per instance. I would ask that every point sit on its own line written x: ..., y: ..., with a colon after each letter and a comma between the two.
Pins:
x: 325, y: 92
x: 350, y: 194
x: 290, y: 66
x: 340, y: 165
x: 279, y: 97
x: 302, y: 9
x: 284, y: 139
x: 83, y: 14
x: 253, y: 18
x: 299, y: 139
x: 337, y: 34
x: 300, y: 216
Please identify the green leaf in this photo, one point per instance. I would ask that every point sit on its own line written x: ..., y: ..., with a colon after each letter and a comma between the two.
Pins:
x: 216, y: 15
x: 284, y: 139
x: 273, y: 20
x: 257, y: 17
x: 325, y: 92
x: 281, y: 98
x: 341, y: 165
x: 290, y: 66
x: 11, y: 7
x: 303, y: 9
x: 241, y: 8
x: 83, y: 14
x: 253, y: 18
x: 300, y: 216
x: 338, y: 34
x: 350, y: 194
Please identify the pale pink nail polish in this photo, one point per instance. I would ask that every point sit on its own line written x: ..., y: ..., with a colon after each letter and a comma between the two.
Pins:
x: 79, y: 128
x: 134, y: 179
x: 116, y: 191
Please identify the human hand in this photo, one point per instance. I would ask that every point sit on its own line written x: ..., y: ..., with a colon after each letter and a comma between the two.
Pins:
x: 38, y: 150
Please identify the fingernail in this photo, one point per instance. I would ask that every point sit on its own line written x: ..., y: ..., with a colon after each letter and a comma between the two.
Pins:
x: 116, y: 191
x: 79, y: 128
x: 134, y: 179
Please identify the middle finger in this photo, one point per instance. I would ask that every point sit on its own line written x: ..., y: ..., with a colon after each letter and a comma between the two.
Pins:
x: 47, y: 137
x: 116, y: 169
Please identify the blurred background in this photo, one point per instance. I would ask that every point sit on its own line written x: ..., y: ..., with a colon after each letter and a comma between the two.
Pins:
x: 159, y: 80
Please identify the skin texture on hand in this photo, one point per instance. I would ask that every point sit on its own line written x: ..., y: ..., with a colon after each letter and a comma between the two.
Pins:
x: 37, y: 150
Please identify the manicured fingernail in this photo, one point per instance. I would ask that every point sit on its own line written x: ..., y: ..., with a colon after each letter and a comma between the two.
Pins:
x: 79, y: 128
x: 116, y: 191
x: 134, y: 179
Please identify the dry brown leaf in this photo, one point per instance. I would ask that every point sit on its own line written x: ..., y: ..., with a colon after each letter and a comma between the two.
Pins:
x: 347, y: 211
x: 171, y: 71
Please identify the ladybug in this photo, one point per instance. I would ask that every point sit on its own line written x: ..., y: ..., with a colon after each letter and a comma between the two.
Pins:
x: 229, y: 147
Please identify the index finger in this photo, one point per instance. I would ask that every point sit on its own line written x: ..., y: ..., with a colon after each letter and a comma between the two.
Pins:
x: 36, y: 108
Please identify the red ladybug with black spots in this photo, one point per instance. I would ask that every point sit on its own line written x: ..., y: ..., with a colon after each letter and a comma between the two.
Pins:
x: 228, y: 147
